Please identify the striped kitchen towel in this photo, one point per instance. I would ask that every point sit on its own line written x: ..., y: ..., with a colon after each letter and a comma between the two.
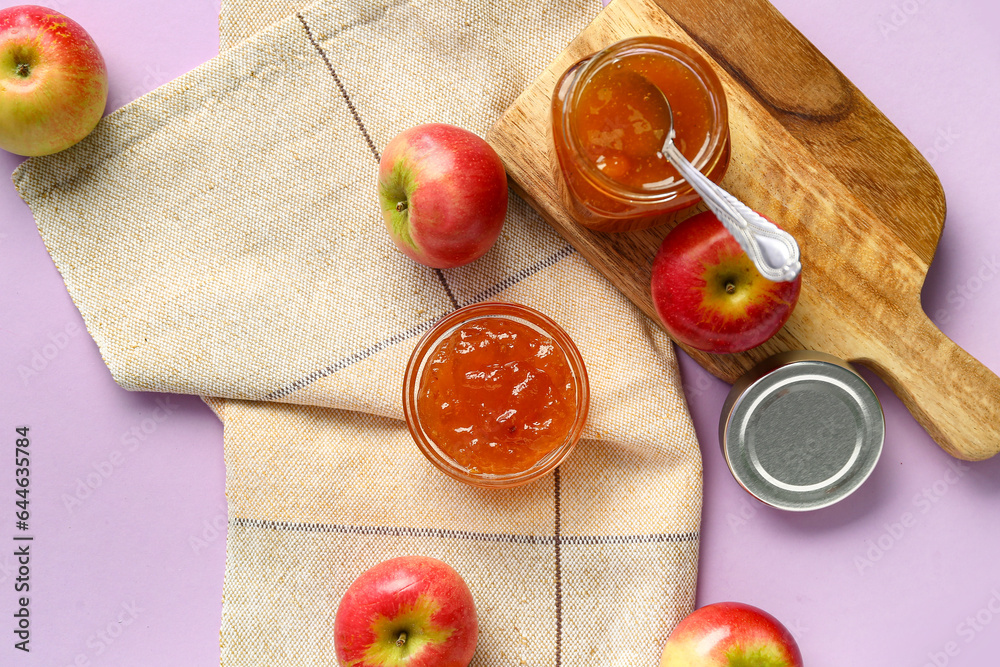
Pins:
x: 221, y: 237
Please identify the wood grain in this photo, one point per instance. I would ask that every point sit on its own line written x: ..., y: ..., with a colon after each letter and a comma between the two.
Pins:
x: 811, y: 152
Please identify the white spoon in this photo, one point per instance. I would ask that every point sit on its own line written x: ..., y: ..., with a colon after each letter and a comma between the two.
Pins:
x: 773, y: 251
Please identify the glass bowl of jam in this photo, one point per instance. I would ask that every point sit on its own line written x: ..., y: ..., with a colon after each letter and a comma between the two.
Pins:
x: 603, y: 127
x: 496, y: 394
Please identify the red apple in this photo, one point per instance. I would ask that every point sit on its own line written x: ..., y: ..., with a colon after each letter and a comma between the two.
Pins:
x: 730, y: 634
x: 709, y: 294
x: 443, y: 193
x: 53, y: 81
x: 412, y: 611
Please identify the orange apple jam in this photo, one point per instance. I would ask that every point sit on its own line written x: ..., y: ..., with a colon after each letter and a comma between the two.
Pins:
x: 497, y: 396
x: 622, y: 127
x: 609, y: 128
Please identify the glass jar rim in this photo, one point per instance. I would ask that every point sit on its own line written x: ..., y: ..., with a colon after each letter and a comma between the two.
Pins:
x: 705, y: 76
x: 445, y: 327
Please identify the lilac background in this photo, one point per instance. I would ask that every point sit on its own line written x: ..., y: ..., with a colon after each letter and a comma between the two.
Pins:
x: 131, y: 572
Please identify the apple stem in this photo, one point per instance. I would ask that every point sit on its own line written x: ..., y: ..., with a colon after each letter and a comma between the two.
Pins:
x: 730, y: 288
x: 402, y: 639
x: 400, y: 207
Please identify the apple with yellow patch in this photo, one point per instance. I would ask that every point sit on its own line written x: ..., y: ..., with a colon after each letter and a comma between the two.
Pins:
x: 412, y: 611
x: 53, y: 81
x: 731, y: 634
x: 708, y: 293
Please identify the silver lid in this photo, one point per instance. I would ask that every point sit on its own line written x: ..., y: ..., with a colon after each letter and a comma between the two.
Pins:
x: 801, y: 430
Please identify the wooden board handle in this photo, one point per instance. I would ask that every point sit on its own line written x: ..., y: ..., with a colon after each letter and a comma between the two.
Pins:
x: 959, y: 406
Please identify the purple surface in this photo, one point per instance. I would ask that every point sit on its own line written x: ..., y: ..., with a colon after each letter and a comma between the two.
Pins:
x: 127, y: 489
x: 904, y: 572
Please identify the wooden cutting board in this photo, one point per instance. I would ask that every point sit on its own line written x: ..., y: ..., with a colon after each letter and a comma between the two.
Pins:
x: 812, y: 153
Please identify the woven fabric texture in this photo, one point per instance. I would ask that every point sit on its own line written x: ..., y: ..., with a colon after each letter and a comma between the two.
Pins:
x: 221, y: 237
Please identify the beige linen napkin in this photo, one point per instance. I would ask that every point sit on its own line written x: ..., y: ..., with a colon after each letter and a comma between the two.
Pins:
x: 221, y: 237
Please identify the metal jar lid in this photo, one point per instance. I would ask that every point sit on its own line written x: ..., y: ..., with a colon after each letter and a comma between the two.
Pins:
x: 801, y: 430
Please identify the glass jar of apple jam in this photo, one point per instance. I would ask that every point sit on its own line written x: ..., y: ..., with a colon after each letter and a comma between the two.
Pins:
x: 496, y: 394
x: 611, y: 180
